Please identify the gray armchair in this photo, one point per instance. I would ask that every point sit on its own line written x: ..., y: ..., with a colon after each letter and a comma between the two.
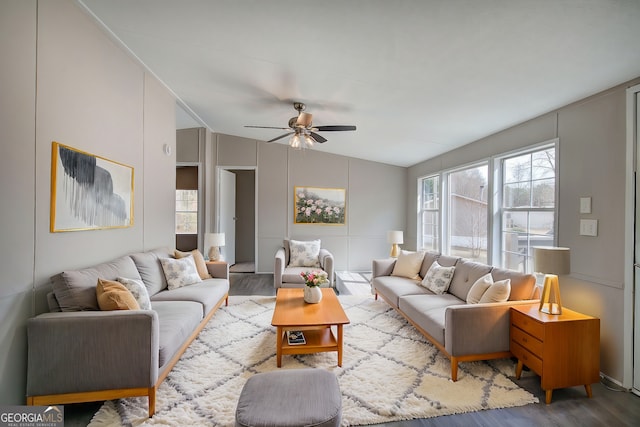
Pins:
x: 286, y: 276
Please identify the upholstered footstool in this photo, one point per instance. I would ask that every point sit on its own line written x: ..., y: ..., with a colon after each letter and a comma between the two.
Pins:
x: 290, y: 398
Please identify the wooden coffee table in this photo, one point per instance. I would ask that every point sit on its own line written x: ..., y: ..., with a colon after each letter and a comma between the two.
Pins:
x: 316, y: 320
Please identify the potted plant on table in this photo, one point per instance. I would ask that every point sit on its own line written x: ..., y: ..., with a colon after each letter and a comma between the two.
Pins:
x: 312, y: 281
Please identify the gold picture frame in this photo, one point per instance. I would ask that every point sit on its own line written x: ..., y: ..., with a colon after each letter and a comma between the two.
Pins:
x: 317, y: 205
x: 89, y: 192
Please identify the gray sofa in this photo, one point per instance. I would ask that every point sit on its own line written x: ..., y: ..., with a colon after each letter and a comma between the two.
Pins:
x: 77, y: 353
x: 463, y: 332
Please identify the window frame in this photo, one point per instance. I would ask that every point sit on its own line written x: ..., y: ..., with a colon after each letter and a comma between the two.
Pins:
x: 437, y: 211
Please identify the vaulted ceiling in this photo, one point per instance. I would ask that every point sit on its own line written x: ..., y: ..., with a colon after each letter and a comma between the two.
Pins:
x: 418, y: 78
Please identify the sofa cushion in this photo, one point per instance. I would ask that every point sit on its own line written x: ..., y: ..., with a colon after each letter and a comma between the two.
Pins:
x: 75, y: 290
x: 207, y: 293
x: 522, y: 285
x: 201, y: 264
x: 138, y: 290
x: 393, y: 287
x: 497, y: 292
x: 466, y: 274
x: 304, y: 254
x: 428, y: 312
x: 177, y: 321
x: 113, y: 295
x: 408, y: 264
x: 148, y: 264
x: 180, y: 272
x: 438, y: 278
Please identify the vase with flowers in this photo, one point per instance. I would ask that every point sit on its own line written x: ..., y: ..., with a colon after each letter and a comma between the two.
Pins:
x: 312, y: 281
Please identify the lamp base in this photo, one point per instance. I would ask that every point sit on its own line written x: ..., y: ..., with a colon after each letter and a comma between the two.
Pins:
x: 395, y: 250
x: 550, y: 302
x: 214, y: 254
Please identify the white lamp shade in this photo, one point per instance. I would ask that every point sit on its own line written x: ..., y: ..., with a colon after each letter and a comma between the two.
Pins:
x: 215, y: 239
x: 551, y: 260
x: 395, y: 236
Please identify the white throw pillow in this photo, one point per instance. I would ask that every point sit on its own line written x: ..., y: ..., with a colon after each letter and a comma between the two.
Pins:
x: 304, y: 254
x: 438, y: 278
x: 180, y: 272
x: 408, y: 265
x: 138, y: 290
x: 479, y: 288
x: 498, y: 292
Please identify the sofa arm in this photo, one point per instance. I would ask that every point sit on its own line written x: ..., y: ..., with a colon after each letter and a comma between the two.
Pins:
x: 382, y: 267
x: 218, y: 270
x: 74, y: 352
x: 326, y: 263
x: 278, y: 268
x: 478, y: 328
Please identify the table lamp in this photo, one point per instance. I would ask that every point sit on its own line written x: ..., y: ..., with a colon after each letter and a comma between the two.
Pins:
x: 215, y: 240
x: 551, y: 261
x: 395, y: 238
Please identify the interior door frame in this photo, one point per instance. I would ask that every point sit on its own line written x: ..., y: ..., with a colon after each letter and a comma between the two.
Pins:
x: 255, y: 195
x: 630, y: 243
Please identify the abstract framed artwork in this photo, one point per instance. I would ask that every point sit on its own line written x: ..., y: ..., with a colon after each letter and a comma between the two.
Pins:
x: 89, y: 192
x: 315, y: 205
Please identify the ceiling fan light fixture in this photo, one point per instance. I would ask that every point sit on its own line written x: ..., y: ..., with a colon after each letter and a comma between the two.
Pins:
x: 295, y: 141
x: 308, y: 140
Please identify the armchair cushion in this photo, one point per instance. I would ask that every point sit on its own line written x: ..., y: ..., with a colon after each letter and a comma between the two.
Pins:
x: 304, y: 254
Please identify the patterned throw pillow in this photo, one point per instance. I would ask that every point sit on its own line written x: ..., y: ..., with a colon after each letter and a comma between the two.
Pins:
x: 180, y: 272
x: 138, y: 290
x: 438, y: 278
x: 201, y: 264
x: 304, y: 254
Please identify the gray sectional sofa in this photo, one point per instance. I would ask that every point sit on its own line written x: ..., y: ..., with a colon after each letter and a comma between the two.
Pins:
x: 77, y: 353
x: 462, y: 331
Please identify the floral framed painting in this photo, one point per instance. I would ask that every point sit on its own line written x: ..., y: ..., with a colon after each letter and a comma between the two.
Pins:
x: 89, y: 192
x: 316, y: 205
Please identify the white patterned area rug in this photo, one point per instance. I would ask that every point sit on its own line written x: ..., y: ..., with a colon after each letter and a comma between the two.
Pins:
x: 389, y: 372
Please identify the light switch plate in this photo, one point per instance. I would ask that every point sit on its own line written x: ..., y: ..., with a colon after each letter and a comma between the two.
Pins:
x: 588, y: 227
x: 585, y: 205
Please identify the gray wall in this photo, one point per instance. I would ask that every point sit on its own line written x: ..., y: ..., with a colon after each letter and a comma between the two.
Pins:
x: 592, y: 140
x: 73, y: 85
x: 374, y: 204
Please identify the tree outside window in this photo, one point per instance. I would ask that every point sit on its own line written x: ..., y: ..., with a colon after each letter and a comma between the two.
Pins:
x: 186, y: 211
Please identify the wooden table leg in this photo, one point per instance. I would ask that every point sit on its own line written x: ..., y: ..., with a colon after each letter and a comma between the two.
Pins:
x: 339, y: 345
x: 519, y: 369
x: 279, y: 334
x: 587, y: 388
x: 547, y: 397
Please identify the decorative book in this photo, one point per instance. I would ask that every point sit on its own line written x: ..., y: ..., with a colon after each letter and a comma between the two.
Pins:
x: 295, y: 338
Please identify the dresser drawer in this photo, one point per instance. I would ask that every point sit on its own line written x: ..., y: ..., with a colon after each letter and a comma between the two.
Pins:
x: 526, y: 357
x: 527, y: 324
x: 531, y: 343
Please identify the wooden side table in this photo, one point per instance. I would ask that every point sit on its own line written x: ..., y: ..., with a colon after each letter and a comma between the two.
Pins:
x: 563, y: 349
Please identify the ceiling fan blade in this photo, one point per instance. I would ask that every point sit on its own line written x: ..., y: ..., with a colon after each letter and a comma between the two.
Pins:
x: 304, y: 119
x: 318, y: 138
x: 281, y: 136
x: 267, y: 127
x: 333, y: 128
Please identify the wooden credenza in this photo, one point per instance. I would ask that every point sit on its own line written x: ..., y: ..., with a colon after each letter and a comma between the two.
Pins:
x: 563, y: 349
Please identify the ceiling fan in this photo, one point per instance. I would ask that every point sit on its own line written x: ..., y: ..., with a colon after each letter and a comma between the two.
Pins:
x: 302, y: 129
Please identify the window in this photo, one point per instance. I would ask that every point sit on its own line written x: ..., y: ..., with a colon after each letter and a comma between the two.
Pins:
x: 429, y: 214
x: 528, y: 206
x: 467, y: 207
x: 186, y: 211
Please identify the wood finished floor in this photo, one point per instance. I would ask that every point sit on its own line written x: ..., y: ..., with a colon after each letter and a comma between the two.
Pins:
x: 570, y: 406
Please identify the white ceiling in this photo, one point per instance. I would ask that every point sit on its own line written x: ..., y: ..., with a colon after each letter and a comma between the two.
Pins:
x: 418, y: 78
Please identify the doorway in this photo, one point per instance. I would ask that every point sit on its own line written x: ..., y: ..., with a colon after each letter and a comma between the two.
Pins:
x: 237, y: 217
